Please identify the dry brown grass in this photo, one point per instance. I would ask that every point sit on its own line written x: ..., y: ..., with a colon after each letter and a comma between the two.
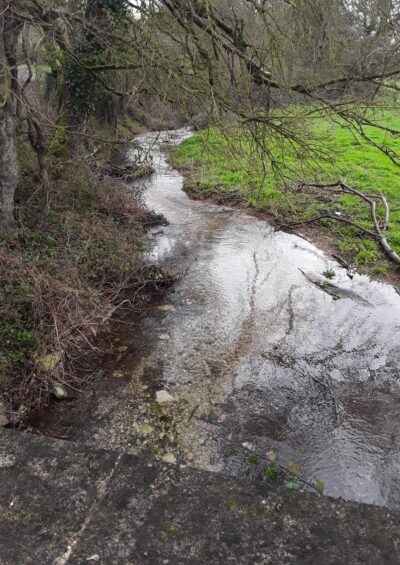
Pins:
x: 63, y: 275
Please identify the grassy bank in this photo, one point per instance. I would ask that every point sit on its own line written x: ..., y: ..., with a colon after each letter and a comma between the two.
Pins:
x: 228, y: 165
x: 62, y: 275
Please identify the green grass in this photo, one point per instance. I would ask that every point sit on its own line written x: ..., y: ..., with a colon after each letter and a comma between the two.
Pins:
x: 217, y: 163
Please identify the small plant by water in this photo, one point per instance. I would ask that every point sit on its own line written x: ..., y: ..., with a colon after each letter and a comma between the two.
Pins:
x: 329, y: 274
x: 290, y: 474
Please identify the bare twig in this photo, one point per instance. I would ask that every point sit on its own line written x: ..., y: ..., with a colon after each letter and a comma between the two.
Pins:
x: 379, y: 231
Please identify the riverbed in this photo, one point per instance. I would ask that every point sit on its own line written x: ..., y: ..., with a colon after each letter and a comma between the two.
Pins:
x: 245, y: 355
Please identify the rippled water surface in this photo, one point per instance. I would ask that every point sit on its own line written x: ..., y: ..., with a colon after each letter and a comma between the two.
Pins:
x: 269, y: 357
x: 252, y: 351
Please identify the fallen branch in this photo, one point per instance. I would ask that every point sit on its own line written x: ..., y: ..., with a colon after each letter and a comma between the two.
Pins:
x: 379, y: 231
x: 349, y: 268
x: 324, y: 286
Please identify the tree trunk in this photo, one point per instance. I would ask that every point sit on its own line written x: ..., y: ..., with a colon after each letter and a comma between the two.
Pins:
x: 8, y: 168
x: 9, y: 32
x: 38, y: 142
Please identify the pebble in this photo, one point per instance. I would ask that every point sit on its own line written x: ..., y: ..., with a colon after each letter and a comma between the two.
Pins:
x: 163, y: 397
x: 248, y: 446
x: 167, y: 308
x: 60, y: 392
x: 164, y: 337
x: 146, y: 429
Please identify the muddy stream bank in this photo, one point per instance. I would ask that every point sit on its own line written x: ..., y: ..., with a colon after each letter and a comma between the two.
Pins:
x: 249, y: 351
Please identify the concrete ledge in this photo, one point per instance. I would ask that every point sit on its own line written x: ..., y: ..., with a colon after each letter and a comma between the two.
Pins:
x: 61, y: 503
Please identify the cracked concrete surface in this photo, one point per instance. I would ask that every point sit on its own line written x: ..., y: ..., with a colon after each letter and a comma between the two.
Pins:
x: 64, y: 504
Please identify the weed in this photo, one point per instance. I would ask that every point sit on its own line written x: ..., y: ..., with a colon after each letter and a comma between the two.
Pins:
x: 319, y: 485
x: 232, y: 450
x: 365, y: 257
x: 294, y: 468
x: 329, y: 274
x: 379, y: 269
x: 293, y: 484
x: 271, y: 471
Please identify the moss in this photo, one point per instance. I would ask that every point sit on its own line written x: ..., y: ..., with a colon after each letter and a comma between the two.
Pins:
x: 233, y: 505
x: 132, y: 125
x: 170, y: 529
x: 58, y: 145
x: 129, y: 128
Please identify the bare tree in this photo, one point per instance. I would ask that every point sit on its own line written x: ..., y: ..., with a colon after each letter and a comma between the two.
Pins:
x: 245, y: 58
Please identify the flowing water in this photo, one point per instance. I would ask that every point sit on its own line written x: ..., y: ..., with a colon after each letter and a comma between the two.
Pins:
x: 252, y: 352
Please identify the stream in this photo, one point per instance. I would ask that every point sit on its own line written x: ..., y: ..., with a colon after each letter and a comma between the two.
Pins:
x: 251, y: 352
